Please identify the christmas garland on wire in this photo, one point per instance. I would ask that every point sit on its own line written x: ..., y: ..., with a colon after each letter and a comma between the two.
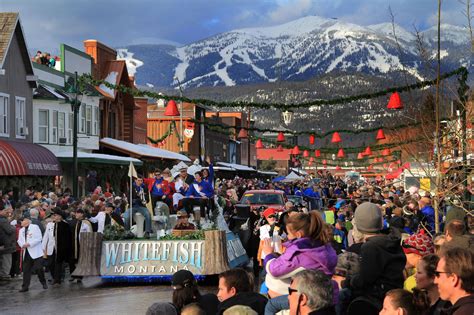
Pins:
x: 461, y: 72
x: 171, y: 129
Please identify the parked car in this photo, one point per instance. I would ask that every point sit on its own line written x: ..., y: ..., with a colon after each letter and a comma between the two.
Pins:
x: 267, y: 198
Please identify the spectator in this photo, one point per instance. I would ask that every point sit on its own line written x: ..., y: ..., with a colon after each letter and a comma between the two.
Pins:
x: 7, y: 243
x: 34, y: 216
x: 425, y: 277
x: 399, y: 301
x: 239, y: 310
x: 183, y: 222
x: 192, y: 309
x: 310, y: 293
x: 185, y: 291
x: 161, y: 309
x: 455, y: 280
x: 236, y: 288
x: 455, y: 235
x: 415, y: 248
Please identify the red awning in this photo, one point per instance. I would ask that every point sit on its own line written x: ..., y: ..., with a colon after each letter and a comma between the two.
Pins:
x: 20, y: 159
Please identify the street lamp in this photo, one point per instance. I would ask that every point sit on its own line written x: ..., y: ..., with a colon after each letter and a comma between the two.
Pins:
x: 75, y: 106
x: 287, y: 116
x: 181, y: 141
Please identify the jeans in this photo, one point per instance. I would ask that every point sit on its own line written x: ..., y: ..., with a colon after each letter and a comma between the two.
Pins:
x: 277, y: 304
x: 142, y: 210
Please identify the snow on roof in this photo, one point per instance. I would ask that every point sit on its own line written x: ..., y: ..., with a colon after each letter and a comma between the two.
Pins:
x: 68, y: 154
x: 143, y: 150
x: 298, y: 171
x: 53, y: 91
x: 237, y: 167
x: 267, y: 173
x: 112, y: 79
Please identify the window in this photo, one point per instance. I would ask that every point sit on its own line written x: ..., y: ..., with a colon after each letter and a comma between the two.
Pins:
x: 96, y: 121
x: 54, y: 128
x: 70, y: 126
x: 20, y: 117
x: 82, y: 126
x: 4, y: 106
x: 89, y: 120
x: 62, y: 125
x: 43, y: 126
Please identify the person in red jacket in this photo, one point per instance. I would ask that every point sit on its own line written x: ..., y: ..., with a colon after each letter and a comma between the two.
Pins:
x: 159, y: 189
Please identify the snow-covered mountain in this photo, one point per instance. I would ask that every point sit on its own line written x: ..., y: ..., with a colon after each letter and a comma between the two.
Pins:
x: 296, y: 51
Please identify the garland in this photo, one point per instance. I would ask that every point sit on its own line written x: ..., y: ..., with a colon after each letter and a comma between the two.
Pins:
x: 171, y: 128
x: 461, y: 72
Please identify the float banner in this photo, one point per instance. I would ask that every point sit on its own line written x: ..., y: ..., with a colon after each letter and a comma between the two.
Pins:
x: 146, y: 258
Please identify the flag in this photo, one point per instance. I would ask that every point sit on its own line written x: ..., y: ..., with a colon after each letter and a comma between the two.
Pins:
x: 131, y: 170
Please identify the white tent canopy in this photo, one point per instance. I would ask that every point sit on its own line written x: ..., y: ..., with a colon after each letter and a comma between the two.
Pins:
x: 292, y: 177
x: 237, y: 167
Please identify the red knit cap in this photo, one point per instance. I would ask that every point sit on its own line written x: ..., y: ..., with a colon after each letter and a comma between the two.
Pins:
x: 269, y: 212
x: 419, y: 243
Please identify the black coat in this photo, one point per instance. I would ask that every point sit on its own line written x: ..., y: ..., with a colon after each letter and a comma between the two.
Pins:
x: 463, y: 306
x: 253, y: 300
x: 7, y: 237
x: 63, y: 241
x: 381, y: 268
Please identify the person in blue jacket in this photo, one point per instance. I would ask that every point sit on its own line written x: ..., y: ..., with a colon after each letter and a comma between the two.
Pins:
x: 201, y: 194
x: 208, y: 175
x: 312, y: 194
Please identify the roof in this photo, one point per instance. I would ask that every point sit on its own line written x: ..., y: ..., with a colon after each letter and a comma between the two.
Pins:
x: 98, y: 158
x: 237, y: 167
x: 47, y: 92
x: 8, y: 23
x: 267, y: 173
x: 274, y: 154
x: 142, y: 150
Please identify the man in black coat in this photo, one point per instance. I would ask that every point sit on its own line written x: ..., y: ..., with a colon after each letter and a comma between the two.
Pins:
x: 7, y: 243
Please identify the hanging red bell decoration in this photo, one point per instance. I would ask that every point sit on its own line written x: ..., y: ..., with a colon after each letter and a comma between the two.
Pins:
x: 395, y: 101
x: 296, y: 150
x: 310, y: 163
x: 317, y: 153
x: 280, y: 148
x: 324, y: 162
x: 360, y: 156
x: 243, y: 134
x: 171, y: 109
x: 338, y: 168
x: 311, y: 159
x: 281, y: 137
x: 259, y: 144
x: 305, y: 153
x: 386, y: 152
x: 336, y: 138
x: 312, y: 138
x: 340, y: 153
x: 368, y: 151
x: 380, y: 135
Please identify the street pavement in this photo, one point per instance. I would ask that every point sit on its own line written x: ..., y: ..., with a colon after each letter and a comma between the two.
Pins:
x: 93, y: 296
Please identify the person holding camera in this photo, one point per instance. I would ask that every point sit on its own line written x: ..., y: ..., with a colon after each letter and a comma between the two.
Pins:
x: 140, y: 198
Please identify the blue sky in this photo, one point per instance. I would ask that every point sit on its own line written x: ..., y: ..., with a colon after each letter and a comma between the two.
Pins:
x: 122, y: 22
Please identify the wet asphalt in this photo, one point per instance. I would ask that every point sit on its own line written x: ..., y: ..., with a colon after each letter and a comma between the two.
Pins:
x: 92, y: 296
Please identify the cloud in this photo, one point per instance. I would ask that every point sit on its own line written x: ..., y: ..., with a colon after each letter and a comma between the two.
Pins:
x: 290, y: 10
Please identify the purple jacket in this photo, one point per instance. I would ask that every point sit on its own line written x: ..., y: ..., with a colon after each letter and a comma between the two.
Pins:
x: 303, y: 252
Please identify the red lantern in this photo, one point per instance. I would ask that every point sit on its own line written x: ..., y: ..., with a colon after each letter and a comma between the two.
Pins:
x: 317, y: 153
x: 311, y: 159
x: 280, y: 148
x: 395, y: 101
x: 340, y: 153
x: 360, y: 156
x: 259, y: 144
x: 336, y: 137
x: 296, y: 150
x: 324, y: 162
x: 386, y: 152
x: 305, y: 153
x: 311, y: 139
x: 380, y: 135
x: 243, y: 134
x: 368, y: 151
x: 310, y: 163
x: 281, y: 137
x: 171, y: 109
x: 338, y: 168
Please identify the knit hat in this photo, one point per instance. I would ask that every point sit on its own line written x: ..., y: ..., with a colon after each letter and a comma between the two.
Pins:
x: 420, y: 244
x: 182, y: 279
x: 161, y: 308
x: 269, y: 212
x: 368, y: 218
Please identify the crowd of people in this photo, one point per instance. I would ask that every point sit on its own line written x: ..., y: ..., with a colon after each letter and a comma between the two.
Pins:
x: 353, y: 248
